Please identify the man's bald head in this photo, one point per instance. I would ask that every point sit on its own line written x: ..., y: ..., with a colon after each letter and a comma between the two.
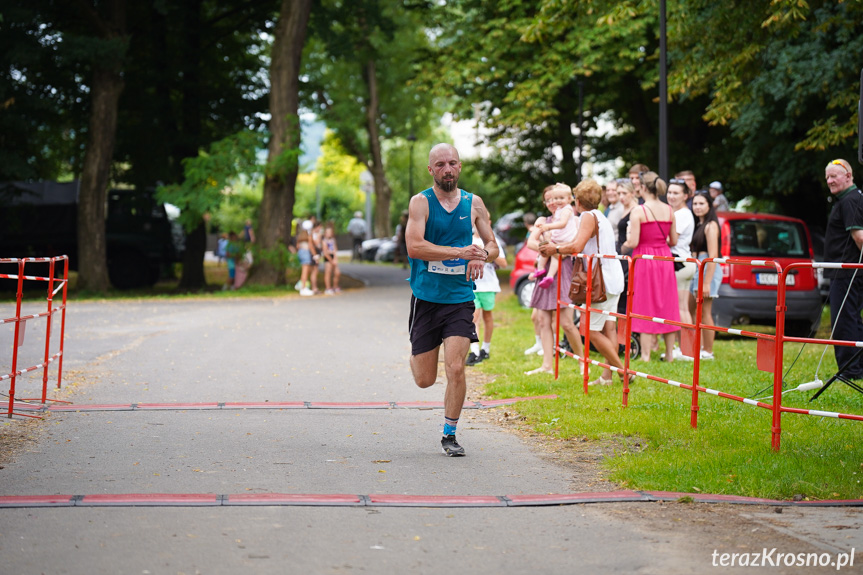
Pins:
x: 444, y: 166
x: 442, y: 147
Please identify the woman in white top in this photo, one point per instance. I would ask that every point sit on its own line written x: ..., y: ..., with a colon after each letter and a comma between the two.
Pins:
x: 603, y: 328
x: 685, y: 224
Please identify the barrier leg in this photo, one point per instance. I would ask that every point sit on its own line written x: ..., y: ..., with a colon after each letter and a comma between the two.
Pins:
x: 628, y: 330
x: 48, y: 331
x: 19, y: 296
x: 696, y: 352
x: 63, y: 322
x: 555, y: 347
x: 776, y: 426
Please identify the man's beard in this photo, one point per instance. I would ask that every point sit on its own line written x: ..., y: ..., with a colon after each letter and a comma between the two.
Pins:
x: 446, y: 185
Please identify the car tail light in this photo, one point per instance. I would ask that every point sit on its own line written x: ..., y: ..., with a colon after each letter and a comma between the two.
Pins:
x: 725, y: 251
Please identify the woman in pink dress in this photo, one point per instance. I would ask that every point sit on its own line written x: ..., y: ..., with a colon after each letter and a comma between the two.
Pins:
x: 652, y: 229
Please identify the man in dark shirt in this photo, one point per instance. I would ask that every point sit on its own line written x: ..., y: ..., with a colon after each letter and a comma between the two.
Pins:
x: 843, y: 242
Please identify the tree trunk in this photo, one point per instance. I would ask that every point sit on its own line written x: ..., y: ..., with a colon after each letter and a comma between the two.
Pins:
x: 383, y: 193
x: 105, y: 89
x: 277, y: 204
x: 193, y: 277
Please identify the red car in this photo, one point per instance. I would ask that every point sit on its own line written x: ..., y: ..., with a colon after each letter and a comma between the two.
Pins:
x: 747, y: 293
x: 518, y: 280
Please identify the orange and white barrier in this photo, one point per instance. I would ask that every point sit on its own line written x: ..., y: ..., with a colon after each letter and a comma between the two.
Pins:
x: 770, y: 347
x: 20, y: 323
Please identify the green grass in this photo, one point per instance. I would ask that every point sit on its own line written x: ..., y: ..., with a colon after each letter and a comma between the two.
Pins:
x: 651, y: 443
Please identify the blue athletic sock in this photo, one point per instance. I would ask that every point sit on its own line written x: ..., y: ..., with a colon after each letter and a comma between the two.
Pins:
x: 449, y: 426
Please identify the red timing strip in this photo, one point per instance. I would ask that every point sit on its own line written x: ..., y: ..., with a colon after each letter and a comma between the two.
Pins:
x: 271, y: 405
x: 388, y: 500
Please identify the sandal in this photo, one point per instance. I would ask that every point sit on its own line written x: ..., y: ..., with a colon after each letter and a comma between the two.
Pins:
x: 539, y: 370
x: 601, y: 381
x: 631, y: 377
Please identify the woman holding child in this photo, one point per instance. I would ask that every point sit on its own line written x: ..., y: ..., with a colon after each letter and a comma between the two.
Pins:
x: 596, y: 236
x: 544, y: 301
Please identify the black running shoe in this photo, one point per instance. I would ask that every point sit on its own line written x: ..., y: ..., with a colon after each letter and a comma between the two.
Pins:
x: 450, y: 446
x: 483, y: 355
x: 473, y: 359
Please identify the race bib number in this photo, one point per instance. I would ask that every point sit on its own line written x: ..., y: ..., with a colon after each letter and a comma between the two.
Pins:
x: 448, y: 267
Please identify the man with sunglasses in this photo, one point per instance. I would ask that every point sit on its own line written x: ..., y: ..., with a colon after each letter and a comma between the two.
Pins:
x: 688, y: 178
x: 843, y: 242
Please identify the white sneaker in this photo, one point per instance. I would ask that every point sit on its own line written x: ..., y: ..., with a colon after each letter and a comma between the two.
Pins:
x: 535, y: 348
x: 329, y: 292
x: 306, y: 291
x: 298, y: 286
x: 678, y: 355
x: 706, y: 355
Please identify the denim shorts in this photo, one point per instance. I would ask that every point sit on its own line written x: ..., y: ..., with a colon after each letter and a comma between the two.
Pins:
x: 305, y: 256
x: 714, y: 283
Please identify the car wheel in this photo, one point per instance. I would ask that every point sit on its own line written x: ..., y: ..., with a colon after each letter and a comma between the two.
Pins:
x: 524, y: 292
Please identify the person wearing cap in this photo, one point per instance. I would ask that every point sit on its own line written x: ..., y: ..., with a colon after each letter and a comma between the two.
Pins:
x: 357, y: 229
x: 843, y: 243
x: 720, y: 202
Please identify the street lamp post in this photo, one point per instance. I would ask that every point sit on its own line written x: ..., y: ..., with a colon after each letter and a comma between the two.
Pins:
x: 367, y: 185
x: 412, y: 139
x: 663, y: 95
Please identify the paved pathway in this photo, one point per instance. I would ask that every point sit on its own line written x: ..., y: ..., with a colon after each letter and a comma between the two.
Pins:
x: 352, y: 347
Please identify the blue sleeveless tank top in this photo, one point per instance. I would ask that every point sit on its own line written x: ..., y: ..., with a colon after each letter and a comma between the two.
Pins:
x: 446, y: 281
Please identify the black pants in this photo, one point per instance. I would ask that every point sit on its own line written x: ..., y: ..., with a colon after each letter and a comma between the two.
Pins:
x: 358, y: 249
x: 847, y: 326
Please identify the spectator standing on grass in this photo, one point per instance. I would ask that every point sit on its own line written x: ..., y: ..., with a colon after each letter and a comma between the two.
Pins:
x: 357, y: 229
x: 485, y: 290
x: 307, y: 255
x: 596, y: 236
x: 720, y: 202
x: 331, y: 260
x: 615, y: 209
x: 652, y: 230
x: 843, y: 243
x: 560, y: 227
x: 530, y: 220
x: 233, y: 254
x: 544, y: 304
x: 248, y: 232
x: 401, y: 253
x: 685, y: 223
x: 222, y: 248
x: 444, y: 265
x: 691, y: 186
x: 705, y: 244
x: 634, y: 175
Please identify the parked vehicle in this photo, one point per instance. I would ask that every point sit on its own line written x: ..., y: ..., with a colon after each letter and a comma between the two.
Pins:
x: 521, y: 285
x: 748, y: 293
x: 386, y: 251
x: 40, y: 219
x: 510, y: 228
x: 370, y: 248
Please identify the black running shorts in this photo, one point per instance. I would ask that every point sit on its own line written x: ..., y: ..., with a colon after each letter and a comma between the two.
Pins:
x: 430, y: 323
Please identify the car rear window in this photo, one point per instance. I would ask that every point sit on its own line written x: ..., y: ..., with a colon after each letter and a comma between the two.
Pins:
x: 768, y: 238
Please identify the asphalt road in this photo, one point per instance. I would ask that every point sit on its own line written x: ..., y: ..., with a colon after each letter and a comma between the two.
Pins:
x: 348, y: 348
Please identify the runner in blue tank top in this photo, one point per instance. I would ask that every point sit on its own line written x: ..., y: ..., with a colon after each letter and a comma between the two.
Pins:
x: 444, y: 263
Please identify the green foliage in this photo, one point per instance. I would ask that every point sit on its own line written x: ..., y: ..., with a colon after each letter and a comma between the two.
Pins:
x: 650, y: 443
x: 786, y: 86
x: 195, y: 73
x: 240, y: 203
x: 209, y: 174
x: 332, y: 191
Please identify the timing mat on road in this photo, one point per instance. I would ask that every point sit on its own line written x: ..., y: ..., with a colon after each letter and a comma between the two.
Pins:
x: 269, y: 405
x: 388, y: 500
